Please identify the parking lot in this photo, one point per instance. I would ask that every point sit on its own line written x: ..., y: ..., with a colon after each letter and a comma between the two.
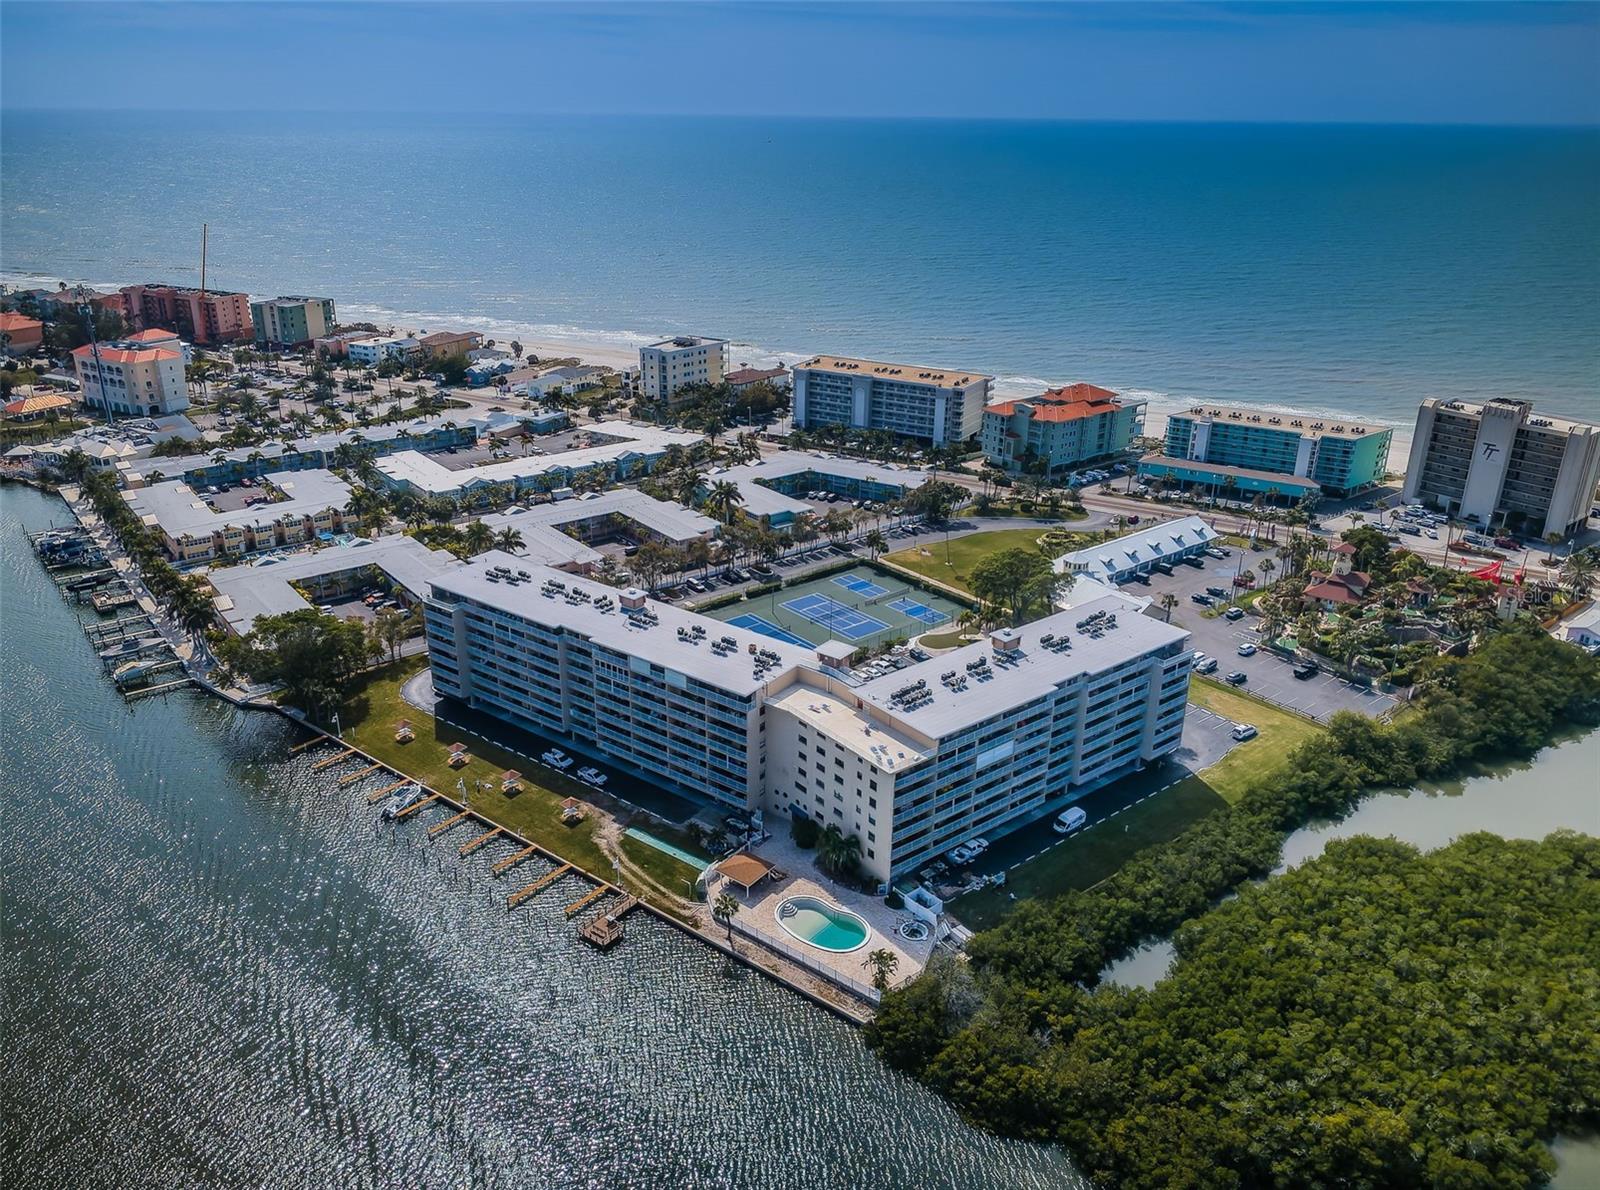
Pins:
x: 1267, y: 675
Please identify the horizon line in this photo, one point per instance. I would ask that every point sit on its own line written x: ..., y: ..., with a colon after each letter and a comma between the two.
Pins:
x: 1331, y: 122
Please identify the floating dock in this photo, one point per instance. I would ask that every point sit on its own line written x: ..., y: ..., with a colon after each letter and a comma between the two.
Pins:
x: 537, y: 887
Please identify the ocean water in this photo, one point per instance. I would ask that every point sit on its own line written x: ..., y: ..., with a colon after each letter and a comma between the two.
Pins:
x: 219, y: 968
x: 1347, y: 270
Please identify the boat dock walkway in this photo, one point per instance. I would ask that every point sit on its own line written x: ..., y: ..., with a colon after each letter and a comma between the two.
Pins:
x: 334, y: 759
x: 538, y: 886
x: 439, y: 828
x: 378, y: 795
x: 410, y: 810
x: 469, y: 847
x: 356, y: 776
x: 589, y: 898
x: 511, y: 861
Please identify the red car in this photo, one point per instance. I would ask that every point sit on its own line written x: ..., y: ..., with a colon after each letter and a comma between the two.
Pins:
x: 1508, y: 543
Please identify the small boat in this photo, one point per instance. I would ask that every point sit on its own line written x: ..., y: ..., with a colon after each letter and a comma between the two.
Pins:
x: 130, y: 647
x: 591, y: 776
x: 557, y: 759
x: 131, y: 671
x: 403, y: 800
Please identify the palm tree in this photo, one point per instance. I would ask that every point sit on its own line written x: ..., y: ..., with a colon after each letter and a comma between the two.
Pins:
x: 508, y: 539
x: 837, y: 853
x: 883, y: 962
x: 1578, y: 573
x: 1267, y: 567
x: 476, y: 538
x: 724, y: 910
x: 876, y: 543
x: 723, y: 500
x: 1168, y: 601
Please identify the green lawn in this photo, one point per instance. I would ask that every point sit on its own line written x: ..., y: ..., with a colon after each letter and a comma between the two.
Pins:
x: 667, y: 871
x: 368, y: 718
x: 1281, y: 732
x: 1086, y: 859
x: 964, y: 553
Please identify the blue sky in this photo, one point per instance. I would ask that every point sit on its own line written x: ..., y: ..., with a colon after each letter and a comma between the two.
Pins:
x: 1369, y: 62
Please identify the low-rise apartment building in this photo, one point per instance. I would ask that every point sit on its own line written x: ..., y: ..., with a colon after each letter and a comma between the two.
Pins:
x: 1498, y: 463
x: 203, y: 316
x: 131, y: 378
x: 1140, y: 553
x: 338, y: 346
x: 675, y: 363
x: 1340, y: 458
x: 443, y: 344
x: 373, y: 352
x: 1060, y: 429
x: 299, y: 506
x: 982, y: 740
x: 744, y: 378
x: 19, y: 334
x: 939, y: 406
x: 772, y: 490
x: 291, y: 321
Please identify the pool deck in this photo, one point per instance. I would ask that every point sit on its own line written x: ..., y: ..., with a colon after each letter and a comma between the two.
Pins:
x: 757, y: 919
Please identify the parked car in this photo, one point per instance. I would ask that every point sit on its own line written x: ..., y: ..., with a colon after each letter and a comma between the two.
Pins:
x: 1071, y: 819
x: 1208, y: 666
x: 1217, y: 551
x: 1237, y: 678
x: 1217, y: 592
x: 1202, y: 600
x: 1508, y: 543
x: 1243, y: 731
x: 1233, y: 613
x: 1247, y: 650
x: 1306, y: 669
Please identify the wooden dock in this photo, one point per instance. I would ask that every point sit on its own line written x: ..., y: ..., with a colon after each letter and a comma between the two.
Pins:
x: 439, y: 828
x: 537, y: 887
x: 164, y: 688
x: 607, y: 930
x: 511, y: 861
x: 354, y: 777
x: 378, y: 795
x: 588, y: 898
x: 343, y: 754
x: 410, y: 810
x: 469, y: 848
x: 304, y: 744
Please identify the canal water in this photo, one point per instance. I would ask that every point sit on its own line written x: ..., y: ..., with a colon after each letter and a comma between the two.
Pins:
x: 217, y: 969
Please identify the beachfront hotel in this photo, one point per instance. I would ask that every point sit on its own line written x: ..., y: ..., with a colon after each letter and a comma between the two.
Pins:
x: 1060, y: 429
x: 373, y: 352
x: 133, y: 377
x: 1257, y: 452
x: 1495, y: 463
x: 981, y: 740
x: 201, y: 316
x: 939, y: 406
x: 291, y: 321
x: 675, y: 363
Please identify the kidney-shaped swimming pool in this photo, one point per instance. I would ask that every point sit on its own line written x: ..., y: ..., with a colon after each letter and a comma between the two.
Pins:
x: 825, y: 926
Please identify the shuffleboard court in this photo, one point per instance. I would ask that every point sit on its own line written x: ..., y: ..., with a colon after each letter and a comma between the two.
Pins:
x: 860, y: 586
x: 917, y: 611
x: 767, y: 628
x: 835, y: 616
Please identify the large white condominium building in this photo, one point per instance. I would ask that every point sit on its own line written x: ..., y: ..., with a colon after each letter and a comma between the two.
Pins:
x: 937, y: 405
x: 982, y: 740
x: 1497, y: 462
x: 133, y: 377
x: 669, y: 365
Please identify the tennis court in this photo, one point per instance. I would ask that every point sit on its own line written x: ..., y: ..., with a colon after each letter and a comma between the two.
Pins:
x: 863, y: 606
x: 857, y: 585
x: 917, y: 610
x: 767, y: 628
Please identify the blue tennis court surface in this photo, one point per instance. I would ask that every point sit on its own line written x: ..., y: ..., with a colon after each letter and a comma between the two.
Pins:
x: 835, y: 616
x: 917, y: 611
x: 861, y: 586
x: 756, y: 624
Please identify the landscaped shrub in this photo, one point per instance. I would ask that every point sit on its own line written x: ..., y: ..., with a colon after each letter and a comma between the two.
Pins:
x: 806, y: 832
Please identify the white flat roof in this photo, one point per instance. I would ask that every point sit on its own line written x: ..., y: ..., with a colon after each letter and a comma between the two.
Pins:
x: 263, y: 589
x: 1144, y: 547
x: 836, y: 717
x: 671, y: 521
x: 179, y: 512
x: 1035, y: 672
x: 903, y: 373
x: 759, y: 500
x: 417, y: 470
x: 658, y: 644
x: 542, y: 543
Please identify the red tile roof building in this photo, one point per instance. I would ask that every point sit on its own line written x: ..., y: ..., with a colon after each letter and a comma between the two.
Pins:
x: 22, y: 334
x: 1060, y: 429
x: 133, y: 379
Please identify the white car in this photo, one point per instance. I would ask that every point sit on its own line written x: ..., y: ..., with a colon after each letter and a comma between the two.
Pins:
x: 1208, y: 666
x: 1433, y: 533
x: 1247, y: 650
x: 1069, y: 820
x: 1243, y: 731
